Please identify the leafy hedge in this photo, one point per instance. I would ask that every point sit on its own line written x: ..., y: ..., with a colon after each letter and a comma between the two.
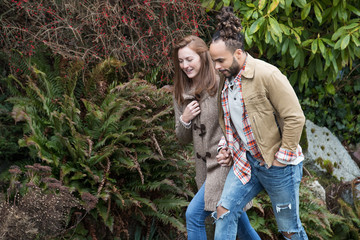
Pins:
x: 114, y: 147
x: 316, y: 45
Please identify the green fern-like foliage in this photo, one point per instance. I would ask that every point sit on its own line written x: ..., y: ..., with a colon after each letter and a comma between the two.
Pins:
x: 116, y: 145
x: 318, y: 222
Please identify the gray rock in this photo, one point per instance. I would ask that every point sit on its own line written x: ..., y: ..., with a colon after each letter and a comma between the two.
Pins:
x: 325, y: 153
x: 318, y: 190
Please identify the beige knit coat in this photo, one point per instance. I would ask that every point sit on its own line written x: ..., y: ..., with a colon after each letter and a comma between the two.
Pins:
x: 205, y: 134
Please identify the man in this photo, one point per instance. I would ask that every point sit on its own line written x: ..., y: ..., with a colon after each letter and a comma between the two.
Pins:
x: 262, y: 121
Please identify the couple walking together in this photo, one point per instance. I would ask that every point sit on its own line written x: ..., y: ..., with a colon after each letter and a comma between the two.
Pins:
x: 245, y: 125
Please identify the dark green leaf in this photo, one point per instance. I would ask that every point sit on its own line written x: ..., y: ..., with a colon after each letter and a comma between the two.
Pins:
x: 345, y: 42
x: 305, y: 11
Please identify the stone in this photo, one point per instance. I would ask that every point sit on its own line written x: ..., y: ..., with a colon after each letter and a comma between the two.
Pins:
x: 318, y: 190
x: 325, y: 153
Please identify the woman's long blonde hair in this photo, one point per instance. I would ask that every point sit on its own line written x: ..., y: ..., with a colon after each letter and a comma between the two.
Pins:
x: 207, y: 74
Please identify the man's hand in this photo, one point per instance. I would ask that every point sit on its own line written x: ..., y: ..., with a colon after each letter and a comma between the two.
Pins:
x: 275, y: 163
x: 278, y: 164
x: 224, y: 157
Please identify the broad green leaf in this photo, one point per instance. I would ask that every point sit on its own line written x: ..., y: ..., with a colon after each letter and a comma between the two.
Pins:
x: 318, y: 14
x: 338, y: 43
x: 335, y: 65
x: 219, y: 6
x: 297, y: 60
x: 322, y: 47
x: 314, y: 46
x: 226, y: 3
x: 285, y: 46
x: 256, y: 25
x: 273, y: 6
x: 305, y: 11
x: 248, y: 39
x: 285, y: 29
x: 275, y: 27
x: 262, y: 4
x: 268, y: 37
x: 353, y: 9
x: 319, y: 67
x: 208, y: 4
x: 341, y: 31
x: 288, y: 7
x: 345, y: 42
x: 328, y: 42
x: 351, y: 26
x: 330, y: 89
x: 355, y: 40
x: 302, y: 57
x: 248, y: 14
x: 300, y: 3
x: 293, y: 49
x: 237, y: 5
x: 336, y: 2
x: 293, y: 78
x: 304, y: 79
x: 307, y: 42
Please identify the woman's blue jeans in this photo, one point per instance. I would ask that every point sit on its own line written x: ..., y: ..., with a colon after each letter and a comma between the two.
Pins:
x: 195, y: 220
x: 282, y: 185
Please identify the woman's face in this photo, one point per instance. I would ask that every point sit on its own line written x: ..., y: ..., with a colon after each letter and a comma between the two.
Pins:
x: 189, y: 61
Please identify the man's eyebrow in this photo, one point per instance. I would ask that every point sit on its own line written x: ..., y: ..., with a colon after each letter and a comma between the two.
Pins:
x: 218, y: 59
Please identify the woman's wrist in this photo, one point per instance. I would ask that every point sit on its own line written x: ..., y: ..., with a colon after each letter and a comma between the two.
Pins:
x: 184, y: 123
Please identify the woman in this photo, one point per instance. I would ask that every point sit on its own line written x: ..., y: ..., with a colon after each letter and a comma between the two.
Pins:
x: 196, y: 120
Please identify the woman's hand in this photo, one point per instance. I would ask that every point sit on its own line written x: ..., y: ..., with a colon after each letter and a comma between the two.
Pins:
x: 191, y: 111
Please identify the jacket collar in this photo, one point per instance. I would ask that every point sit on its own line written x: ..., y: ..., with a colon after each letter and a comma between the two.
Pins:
x: 249, y: 70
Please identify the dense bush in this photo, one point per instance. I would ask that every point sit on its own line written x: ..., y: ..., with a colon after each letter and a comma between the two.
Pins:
x: 42, y: 209
x: 114, y: 147
x: 139, y: 33
x: 316, y: 45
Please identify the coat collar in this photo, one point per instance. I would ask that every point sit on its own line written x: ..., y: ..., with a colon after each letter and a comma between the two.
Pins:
x: 249, y: 70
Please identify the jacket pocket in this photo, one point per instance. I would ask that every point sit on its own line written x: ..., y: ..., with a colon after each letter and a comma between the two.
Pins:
x: 258, y: 102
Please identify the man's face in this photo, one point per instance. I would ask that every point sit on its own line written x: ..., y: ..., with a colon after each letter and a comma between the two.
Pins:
x: 224, y: 60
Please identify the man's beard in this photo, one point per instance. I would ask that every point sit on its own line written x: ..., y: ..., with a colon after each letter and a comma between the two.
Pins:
x: 233, y: 70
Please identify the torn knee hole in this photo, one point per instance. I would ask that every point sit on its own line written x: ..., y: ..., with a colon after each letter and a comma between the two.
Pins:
x: 221, y: 211
x: 280, y: 207
x: 287, y: 235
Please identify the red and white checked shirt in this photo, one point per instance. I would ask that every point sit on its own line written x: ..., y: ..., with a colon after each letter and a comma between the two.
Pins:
x: 241, y: 167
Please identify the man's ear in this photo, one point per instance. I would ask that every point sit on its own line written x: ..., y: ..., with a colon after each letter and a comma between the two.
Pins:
x: 238, y: 53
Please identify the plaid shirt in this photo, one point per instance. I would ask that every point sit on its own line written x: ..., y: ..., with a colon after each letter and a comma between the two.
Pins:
x: 241, y: 167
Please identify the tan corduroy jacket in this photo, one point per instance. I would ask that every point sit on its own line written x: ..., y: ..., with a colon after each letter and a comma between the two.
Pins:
x: 205, y: 133
x: 273, y: 108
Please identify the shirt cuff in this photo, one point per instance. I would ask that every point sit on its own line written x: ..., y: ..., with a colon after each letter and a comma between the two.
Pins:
x: 285, y: 156
x: 222, y: 144
x: 186, y: 125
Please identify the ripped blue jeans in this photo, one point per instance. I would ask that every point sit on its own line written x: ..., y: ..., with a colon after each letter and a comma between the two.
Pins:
x: 282, y: 185
x: 196, y: 215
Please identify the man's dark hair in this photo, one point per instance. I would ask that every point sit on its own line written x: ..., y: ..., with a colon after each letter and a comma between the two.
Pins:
x: 229, y: 30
